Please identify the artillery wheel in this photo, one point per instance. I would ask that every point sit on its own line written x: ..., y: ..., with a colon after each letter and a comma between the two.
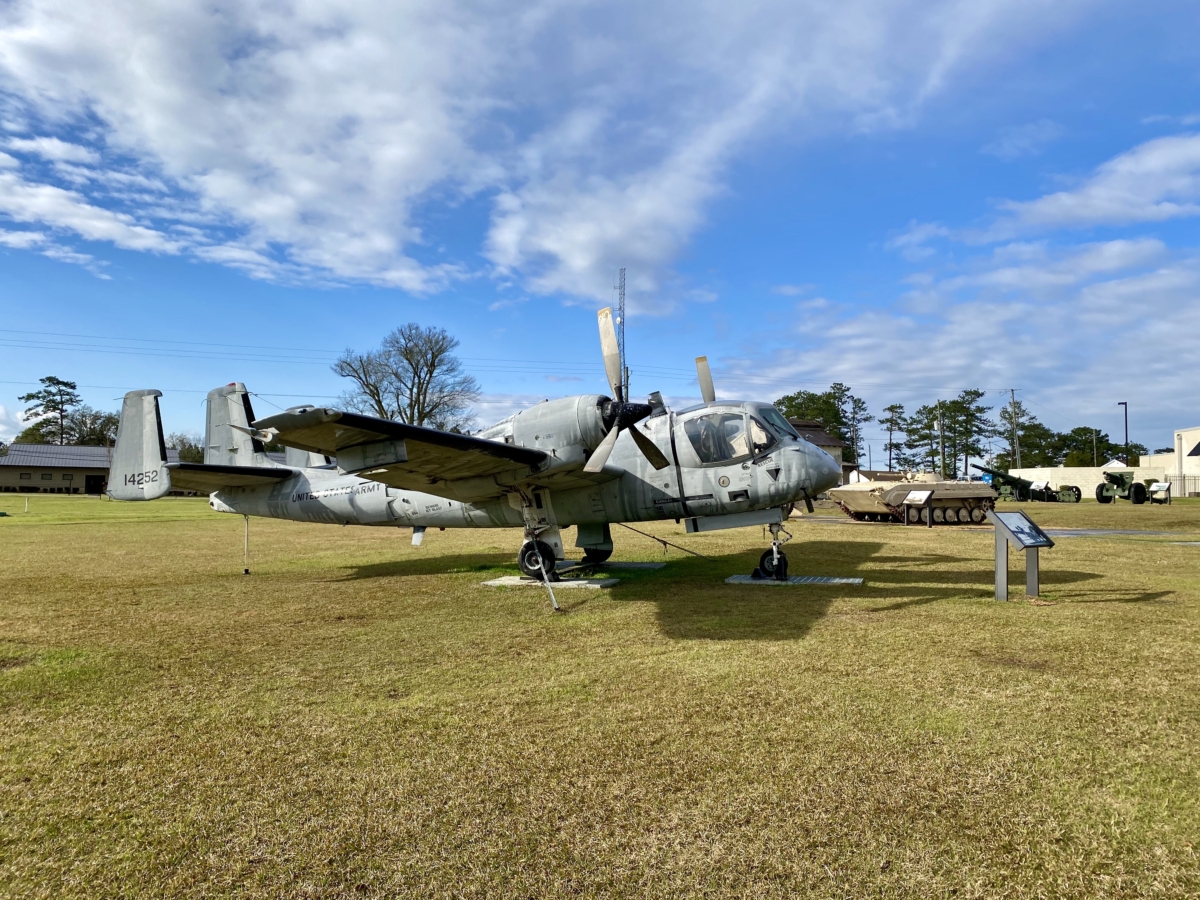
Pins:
x: 978, y: 516
x: 1101, y: 495
x: 595, y: 555
x: 527, y: 559
x: 1137, y: 493
x: 766, y: 565
x: 1078, y: 494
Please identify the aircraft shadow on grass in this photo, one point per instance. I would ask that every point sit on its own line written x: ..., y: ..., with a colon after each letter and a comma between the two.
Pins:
x: 693, y: 602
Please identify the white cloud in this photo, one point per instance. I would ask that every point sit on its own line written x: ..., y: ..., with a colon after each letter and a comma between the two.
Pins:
x: 913, y: 241
x: 791, y: 290
x: 1024, y: 140
x: 1070, y: 327
x: 29, y: 202
x: 1154, y: 181
x: 319, y: 135
x: 11, y: 424
x: 21, y: 240
x: 53, y: 149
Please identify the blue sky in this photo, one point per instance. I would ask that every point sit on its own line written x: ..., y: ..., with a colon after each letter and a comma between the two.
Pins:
x: 912, y: 198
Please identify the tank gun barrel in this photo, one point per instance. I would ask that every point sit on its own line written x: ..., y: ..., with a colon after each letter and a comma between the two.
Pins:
x: 1004, y: 477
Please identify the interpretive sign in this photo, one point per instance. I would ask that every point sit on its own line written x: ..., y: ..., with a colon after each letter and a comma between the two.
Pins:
x: 1018, y: 529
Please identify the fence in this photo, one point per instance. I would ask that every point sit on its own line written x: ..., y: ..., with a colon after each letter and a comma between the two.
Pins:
x: 1184, y: 485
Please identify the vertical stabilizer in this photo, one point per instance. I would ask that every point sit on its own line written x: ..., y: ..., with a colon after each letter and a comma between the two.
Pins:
x: 139, y: 461
x: 228, y: 437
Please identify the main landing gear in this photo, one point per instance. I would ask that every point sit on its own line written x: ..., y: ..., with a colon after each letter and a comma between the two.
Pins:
x: 535, y: 558
x: 774, y: 563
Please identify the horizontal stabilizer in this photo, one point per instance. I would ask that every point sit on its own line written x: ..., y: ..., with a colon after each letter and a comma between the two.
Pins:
x: 206, y: 479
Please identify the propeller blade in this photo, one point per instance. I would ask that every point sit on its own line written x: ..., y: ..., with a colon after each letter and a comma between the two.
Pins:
x: 706, y: 384
x: 600, y: 455
x: 611, y: 351
x: 649, y: 449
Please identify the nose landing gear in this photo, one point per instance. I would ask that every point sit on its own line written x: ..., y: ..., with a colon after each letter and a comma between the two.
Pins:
x: 774, y: 563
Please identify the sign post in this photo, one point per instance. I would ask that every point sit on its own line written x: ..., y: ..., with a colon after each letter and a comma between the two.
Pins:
x: 1018, y: 529
x: 919, y: 500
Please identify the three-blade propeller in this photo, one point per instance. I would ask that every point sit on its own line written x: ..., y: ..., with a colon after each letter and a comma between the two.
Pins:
x: 620, y: 415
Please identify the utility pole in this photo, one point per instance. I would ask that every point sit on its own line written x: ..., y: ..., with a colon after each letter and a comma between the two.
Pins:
x: 1016, y: 441
x: 621, y: 331
x: 1126, y: 405
x: 1095, y: 461
x: 941, y: 425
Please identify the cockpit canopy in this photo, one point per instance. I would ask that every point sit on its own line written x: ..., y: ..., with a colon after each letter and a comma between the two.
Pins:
x: 721, y: 433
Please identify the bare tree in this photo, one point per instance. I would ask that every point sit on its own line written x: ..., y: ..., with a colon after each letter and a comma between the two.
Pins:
x: 414, y: 377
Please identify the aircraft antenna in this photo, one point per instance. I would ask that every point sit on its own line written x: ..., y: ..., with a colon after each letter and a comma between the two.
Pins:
x: 621, y: 331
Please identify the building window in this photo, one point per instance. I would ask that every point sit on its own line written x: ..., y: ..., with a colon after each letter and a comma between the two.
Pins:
x: 47, y: 476
x: 68, y: 477
x: 27, y: 476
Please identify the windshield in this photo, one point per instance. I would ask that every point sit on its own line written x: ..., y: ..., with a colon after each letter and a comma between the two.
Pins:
x: 775, y: 418
x: 760, y: 438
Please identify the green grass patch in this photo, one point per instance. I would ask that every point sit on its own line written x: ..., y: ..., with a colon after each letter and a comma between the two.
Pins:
x: 361, y: 718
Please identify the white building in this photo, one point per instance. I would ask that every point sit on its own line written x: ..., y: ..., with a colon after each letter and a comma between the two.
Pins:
x: 1180, y: 467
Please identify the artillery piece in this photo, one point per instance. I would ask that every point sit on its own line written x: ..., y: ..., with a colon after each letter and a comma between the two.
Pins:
x: 1010, y: 487
x: 1121, y: 486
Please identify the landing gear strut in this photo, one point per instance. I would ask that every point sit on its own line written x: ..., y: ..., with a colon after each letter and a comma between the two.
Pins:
x: 774, y: 563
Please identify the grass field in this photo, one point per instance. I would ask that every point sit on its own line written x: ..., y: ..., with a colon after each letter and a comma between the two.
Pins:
x: 360, y: 718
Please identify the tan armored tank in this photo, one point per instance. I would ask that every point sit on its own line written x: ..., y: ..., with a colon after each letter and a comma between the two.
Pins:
x: 954, y: 502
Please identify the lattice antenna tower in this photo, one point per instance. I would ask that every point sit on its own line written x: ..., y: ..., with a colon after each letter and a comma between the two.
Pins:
x: 621, y: 331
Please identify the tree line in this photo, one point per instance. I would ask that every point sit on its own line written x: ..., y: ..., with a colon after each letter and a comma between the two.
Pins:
x: 952, y: 432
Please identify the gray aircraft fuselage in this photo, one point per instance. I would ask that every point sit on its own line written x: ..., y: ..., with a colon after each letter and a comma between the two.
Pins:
x: 751, y: 464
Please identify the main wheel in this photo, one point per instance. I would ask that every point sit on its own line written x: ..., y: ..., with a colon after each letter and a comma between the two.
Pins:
x: 939, y: 515
x: 766, y: 564
x: 913, y: 514
x: 595, y: 555
x: 1101, y: 495
x: 527, y: 559
x: 1137, y: 493
x: 978, y: 515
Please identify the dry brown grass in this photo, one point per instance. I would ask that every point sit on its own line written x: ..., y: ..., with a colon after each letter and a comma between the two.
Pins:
x: 362, y: 719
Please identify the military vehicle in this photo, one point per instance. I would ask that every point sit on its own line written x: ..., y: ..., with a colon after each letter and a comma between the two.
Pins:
x: 1013, y: 488
x: 953, y: 503
x: 1121, y: 486
x: 586, y: 461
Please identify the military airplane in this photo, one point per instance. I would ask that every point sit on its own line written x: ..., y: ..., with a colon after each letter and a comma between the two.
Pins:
x: 587, y: 461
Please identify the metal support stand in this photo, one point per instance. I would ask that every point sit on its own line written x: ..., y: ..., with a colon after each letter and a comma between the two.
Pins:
x: 246, y: 557
x: 1001, y: 565
x: 533, y: 528
x: 1033, y: 586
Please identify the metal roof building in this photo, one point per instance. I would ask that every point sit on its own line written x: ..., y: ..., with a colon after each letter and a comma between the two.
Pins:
x: 51, y: 469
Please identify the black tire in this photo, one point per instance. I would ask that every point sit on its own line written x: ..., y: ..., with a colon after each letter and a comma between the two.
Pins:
x: 1077, y: 493
x: 766, y: 565
x: 527, y: 559
x: 595, y: 555
x: 1101, y: 496
x: 1137, y: 493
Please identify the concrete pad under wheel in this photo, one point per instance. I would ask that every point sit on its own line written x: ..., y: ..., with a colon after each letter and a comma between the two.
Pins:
x: 522, y: 581
x: 568, y: 565
x: 794, y: 579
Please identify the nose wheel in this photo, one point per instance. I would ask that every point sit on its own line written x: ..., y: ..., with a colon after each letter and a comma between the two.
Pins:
x: 773, y: 563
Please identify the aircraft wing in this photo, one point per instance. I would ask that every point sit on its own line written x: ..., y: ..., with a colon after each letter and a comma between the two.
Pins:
x: 406, y: 456
x: 206, y: 479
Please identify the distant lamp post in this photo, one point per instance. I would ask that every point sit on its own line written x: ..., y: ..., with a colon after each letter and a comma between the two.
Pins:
x: 1126, y: 405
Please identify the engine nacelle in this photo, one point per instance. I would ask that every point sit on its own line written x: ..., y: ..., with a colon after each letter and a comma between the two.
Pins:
x: 569, y: 429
